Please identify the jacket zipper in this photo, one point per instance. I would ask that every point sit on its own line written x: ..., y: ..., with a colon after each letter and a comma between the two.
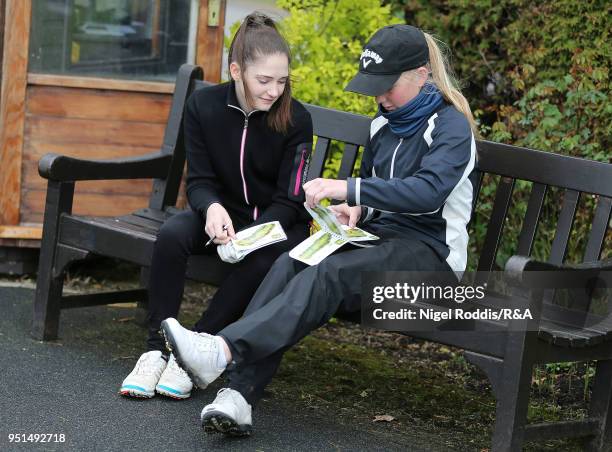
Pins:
x: 393, y: 158
x: 244, y: 134
x: 242, y: 147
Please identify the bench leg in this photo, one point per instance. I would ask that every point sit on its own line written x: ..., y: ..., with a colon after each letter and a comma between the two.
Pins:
x: 47, y: 303
x: 511, y: 412
x: 601, y: 400
x: 49, y: 284
x: 513, y: 393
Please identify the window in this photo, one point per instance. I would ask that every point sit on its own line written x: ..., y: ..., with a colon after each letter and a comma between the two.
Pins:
x: 127, y: 39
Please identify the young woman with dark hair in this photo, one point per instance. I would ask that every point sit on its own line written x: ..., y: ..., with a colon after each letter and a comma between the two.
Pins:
x: 247, y: 143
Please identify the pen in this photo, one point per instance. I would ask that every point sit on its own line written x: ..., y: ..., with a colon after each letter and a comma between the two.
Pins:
x: 225, y: 226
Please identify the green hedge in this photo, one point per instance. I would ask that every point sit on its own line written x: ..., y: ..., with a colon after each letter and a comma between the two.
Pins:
x: 537, y: 72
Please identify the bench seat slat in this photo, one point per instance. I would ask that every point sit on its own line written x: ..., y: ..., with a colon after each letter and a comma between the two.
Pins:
x: 591, y: 323
x: 147, y: 223
x: 126, y: 226
x: 128, y: 242
x: 565, y: 336
x: 153, y: 214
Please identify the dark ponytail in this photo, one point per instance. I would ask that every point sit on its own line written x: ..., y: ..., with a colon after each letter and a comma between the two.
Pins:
x: 258, y: 37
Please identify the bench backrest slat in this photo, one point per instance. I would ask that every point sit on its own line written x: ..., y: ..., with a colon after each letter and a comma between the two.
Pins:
x: 349, y: 156
x: 564, y: 226
x: 319, y: 156
x: 496, y: 224
x: 477, y: 186
x: 601, y: 220
x: 530, y: 223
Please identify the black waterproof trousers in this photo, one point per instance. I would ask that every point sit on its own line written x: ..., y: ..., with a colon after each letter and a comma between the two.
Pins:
x: 295, y: 299
x: 183, y: 235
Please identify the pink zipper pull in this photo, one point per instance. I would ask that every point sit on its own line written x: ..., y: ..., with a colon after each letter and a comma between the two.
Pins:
x: 298, y: 176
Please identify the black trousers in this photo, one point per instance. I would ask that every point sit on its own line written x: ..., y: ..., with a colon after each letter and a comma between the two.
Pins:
x: 295, y: 299
x: 183, y: 235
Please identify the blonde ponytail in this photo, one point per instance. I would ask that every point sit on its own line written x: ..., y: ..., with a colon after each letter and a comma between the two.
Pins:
x: 443, y: 78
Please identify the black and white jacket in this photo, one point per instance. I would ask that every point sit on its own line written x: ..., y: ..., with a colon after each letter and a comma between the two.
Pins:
x: 237, y: 160
x: 420, y: 187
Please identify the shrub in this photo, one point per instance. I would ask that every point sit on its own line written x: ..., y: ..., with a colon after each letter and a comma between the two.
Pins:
x: 537, y: 75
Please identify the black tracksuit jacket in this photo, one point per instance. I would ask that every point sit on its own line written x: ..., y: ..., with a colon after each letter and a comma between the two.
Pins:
x: 237, y: 160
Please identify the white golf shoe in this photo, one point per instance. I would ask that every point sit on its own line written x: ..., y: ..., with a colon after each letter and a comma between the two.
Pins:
x: 229, y: 413
x: 145, y: 375
x: 174, y: 381
x: 197, y: 353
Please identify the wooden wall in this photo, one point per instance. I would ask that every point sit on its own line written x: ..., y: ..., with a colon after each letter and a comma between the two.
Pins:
x: 2, y: 7
x: 89, y: 123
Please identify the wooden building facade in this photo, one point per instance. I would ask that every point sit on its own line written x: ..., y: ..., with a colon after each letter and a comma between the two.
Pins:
x: 83, y: 114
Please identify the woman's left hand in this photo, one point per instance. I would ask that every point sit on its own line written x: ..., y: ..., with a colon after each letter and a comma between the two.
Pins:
x: 318, y: 189
x: 227, y: 253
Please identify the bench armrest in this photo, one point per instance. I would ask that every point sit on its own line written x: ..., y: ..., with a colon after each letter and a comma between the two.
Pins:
x: 69, y: 169
x: 531, y: 273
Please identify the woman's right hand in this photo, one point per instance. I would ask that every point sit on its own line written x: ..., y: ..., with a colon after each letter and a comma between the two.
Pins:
x: 346, y: 214
x: 216, y: 218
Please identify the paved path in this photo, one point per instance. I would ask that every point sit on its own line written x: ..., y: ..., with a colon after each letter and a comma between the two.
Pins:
x: 70, y: 387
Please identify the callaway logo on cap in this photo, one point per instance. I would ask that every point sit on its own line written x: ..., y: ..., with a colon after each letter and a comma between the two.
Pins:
x: 392, y: 50
x: 367, y: 56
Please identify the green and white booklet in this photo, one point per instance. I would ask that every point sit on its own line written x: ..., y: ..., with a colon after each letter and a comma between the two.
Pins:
x: 312, y: 250
x: 332, y: 236
x: 256, y: 237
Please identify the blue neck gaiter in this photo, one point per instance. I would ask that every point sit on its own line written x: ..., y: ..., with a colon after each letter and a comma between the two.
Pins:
x: 406, y: 120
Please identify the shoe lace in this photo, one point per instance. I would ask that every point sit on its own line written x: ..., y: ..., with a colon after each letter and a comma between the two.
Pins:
x: 223, y: 394
x: 144, y: 366
x: 174, y: 366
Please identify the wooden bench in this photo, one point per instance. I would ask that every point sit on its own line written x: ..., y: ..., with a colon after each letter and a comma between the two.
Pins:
x: 506, y: 354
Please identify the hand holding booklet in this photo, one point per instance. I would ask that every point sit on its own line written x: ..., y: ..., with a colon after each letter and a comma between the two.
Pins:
x: 251, y: 239
x: 332, y: 236
x: 311, y: 251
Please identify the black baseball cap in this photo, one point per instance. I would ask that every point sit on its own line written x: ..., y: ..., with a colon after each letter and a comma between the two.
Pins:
x: 392, y: 50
